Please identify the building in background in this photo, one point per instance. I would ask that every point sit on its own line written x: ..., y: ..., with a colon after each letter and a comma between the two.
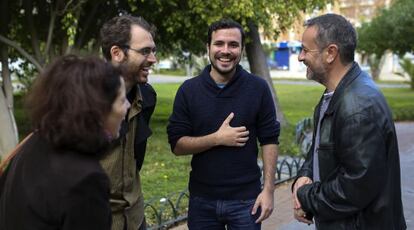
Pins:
x: 287, y: 48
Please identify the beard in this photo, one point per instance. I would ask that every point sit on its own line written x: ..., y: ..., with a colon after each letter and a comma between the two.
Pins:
x: 131, y: 72
x: 222, y: 71
x: 317, y: 74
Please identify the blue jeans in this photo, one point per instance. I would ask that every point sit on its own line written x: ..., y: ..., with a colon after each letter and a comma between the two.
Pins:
x: 218, y: 214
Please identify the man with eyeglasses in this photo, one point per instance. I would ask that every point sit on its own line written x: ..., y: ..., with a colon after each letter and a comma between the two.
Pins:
x: 128, y: 42
x: 351, y: 176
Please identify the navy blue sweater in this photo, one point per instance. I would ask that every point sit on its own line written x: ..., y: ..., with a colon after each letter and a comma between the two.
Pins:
x: 200, y: 107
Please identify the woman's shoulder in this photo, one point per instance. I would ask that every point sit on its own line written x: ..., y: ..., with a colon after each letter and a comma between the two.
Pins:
x: 61, y: 166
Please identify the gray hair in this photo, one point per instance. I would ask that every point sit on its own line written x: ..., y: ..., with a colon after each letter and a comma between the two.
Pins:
x: 335, y: 29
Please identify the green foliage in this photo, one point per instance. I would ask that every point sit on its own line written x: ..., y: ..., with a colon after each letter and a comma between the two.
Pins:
x: 69, y: 23
x: 188, y: 21
x: 46, y: 29
x: 408, y: 67
x: 25, y: 73
x: 392, y: 29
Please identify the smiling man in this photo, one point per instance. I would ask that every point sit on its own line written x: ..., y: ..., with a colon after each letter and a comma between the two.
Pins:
x: 218, y: 117
x: 351, y: 176
x: 127, y: 42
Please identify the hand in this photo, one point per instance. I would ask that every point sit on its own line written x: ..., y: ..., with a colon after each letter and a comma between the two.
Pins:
x: 299, y: 183
x: 300, y: 215
x: 265, y: 202
x: 231, y: 136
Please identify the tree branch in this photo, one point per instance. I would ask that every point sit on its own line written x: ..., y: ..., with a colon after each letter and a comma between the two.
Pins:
x: 22, y: 52
x: 28, y: 8
x: 87, y: 24
x: 51, y: 28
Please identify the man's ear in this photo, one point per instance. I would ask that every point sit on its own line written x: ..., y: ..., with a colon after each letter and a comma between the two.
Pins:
x: 333, y: 51
x: 117, y: 54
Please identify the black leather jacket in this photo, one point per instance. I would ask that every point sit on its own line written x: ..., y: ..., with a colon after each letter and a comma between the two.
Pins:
x: 360, y: 185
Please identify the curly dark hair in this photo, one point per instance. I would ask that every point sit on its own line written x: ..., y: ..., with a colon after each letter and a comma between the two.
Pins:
x: 70, y: 100
x: 225, y: 23
x: 117, y: 32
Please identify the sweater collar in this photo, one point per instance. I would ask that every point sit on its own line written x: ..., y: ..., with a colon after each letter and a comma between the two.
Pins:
x: 208, y: 80
x: 228, y: 90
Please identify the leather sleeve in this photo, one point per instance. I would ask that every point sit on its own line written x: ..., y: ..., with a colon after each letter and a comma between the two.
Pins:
x: 361, y: 155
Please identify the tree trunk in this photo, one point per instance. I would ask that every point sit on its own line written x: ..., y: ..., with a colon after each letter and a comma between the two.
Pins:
x: 87, y: 24
x: 258, y: 65
x: 374, y: 64
x: 8, y: 131
x: 20, y: 50
x: 28, y: 7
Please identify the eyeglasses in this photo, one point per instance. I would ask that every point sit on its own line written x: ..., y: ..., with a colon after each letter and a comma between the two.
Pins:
x: 146, y: 51
x: 306, y: 50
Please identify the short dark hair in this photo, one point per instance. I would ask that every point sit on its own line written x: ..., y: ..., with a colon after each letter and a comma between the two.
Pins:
x: 225, y: 23
x: 117, y: 32
x: 333, y: 28
x: 70, y: 101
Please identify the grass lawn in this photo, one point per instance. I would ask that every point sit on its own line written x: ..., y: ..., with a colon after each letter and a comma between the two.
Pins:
x: 164, y: 173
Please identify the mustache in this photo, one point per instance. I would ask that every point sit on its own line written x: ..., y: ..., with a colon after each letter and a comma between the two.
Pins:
x: 226, y: 55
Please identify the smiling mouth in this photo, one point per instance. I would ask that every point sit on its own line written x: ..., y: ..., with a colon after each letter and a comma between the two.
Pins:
x: 224, y: 59
x: 145, y: 69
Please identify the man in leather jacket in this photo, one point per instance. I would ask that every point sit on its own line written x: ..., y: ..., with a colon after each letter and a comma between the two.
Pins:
x: 351, y: 177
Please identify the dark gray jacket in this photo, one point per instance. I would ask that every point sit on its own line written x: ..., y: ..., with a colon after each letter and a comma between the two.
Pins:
x: 360, y: 185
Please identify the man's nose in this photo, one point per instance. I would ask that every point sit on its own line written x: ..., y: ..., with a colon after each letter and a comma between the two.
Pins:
x: 225, y: 49
x: 152, y: 58
x: 301, y: 56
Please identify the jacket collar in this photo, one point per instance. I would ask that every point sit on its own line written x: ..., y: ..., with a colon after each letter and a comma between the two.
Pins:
x: 135, y: 98
x: 349, y: 77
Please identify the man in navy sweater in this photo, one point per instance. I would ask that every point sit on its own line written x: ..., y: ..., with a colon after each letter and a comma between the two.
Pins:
x: 218, y: 117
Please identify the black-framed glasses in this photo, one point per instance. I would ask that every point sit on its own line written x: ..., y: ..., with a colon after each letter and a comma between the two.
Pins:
x: 146, y: 51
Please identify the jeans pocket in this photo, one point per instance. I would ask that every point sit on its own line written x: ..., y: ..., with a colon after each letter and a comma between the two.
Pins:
x: 247, y: 202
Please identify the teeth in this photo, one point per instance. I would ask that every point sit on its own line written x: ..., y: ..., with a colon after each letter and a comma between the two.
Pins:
x: 224, y: 59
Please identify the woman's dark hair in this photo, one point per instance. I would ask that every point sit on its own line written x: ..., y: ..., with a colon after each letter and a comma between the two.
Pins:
x: 70, y: 100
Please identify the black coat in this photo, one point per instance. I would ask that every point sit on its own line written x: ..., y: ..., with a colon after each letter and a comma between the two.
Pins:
x: 360, y: 185
x: 45, y: 188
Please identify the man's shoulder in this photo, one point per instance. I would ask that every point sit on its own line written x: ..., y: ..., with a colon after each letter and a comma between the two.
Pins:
x: 191, y: 83
x: 254, y: 79
x: 147, y: 87
x: 147, y: 94
x: 362, y: 97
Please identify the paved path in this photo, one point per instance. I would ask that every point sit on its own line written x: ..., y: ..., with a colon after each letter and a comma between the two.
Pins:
x: 282, y: 217
x: 405, y: 133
